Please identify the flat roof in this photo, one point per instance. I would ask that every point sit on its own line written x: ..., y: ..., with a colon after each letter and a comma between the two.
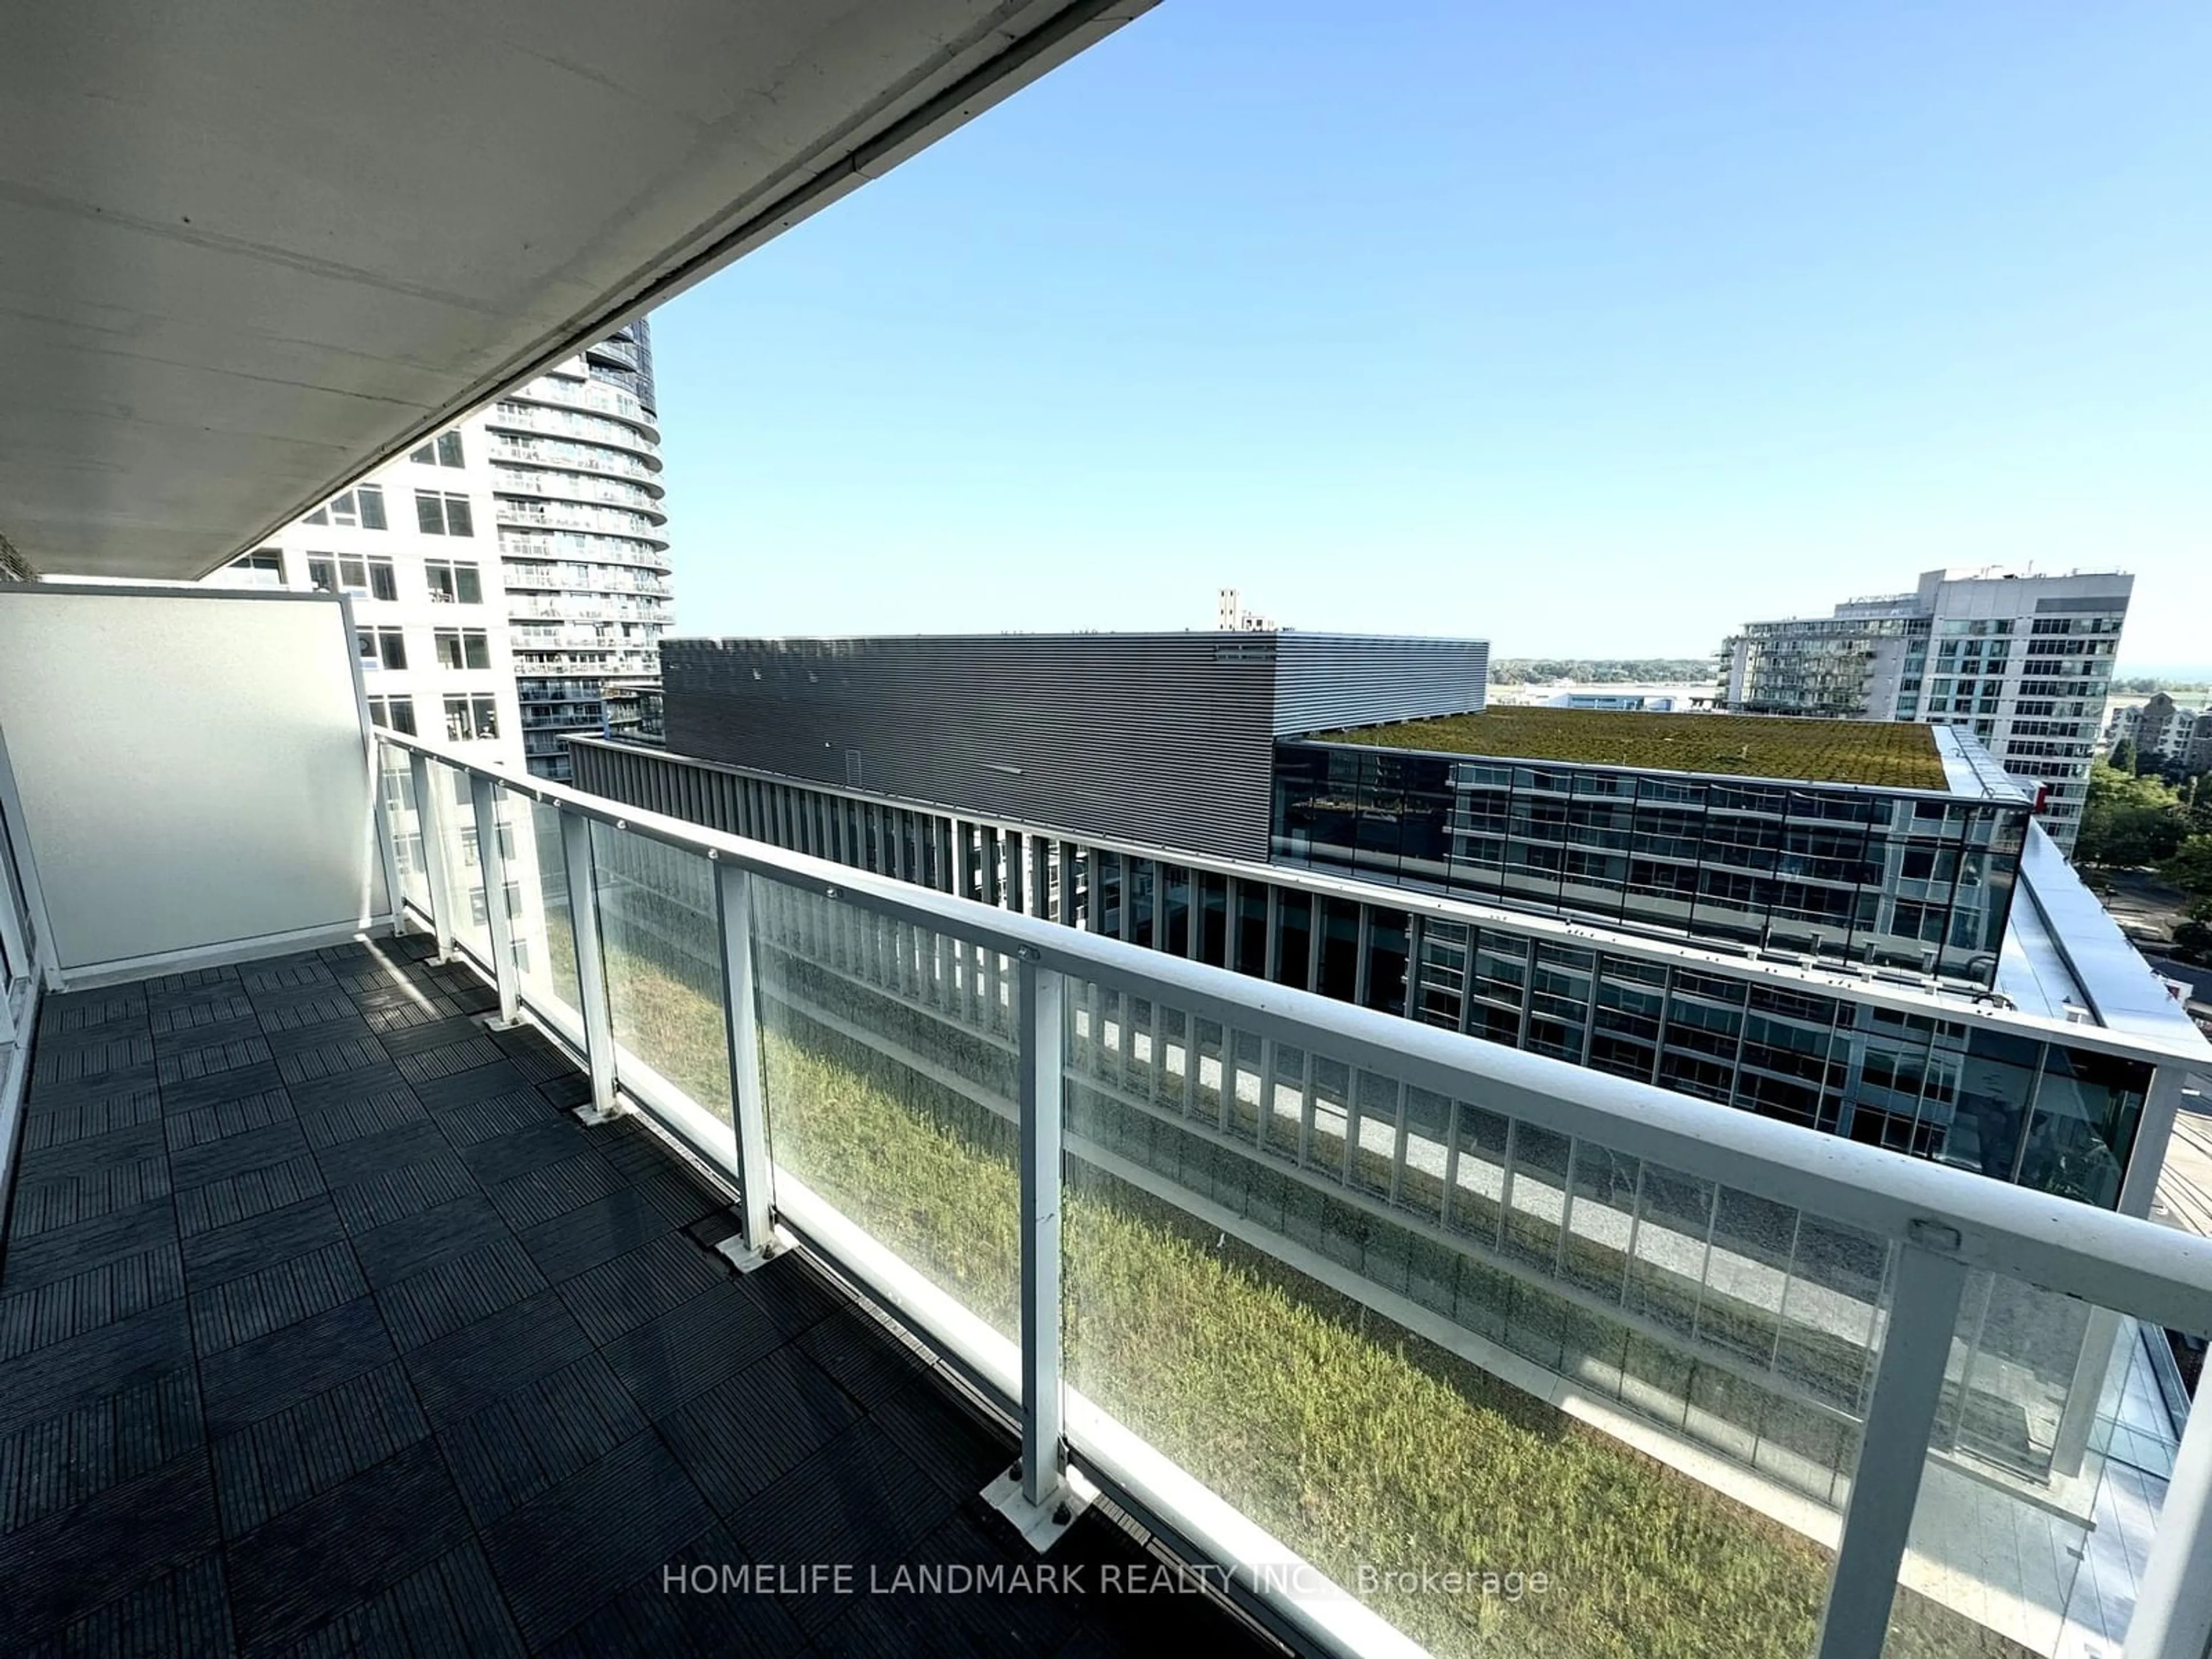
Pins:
x: 1892, y: 753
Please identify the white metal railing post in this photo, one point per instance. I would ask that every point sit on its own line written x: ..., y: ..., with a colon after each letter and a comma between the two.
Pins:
x: 430, y: 829
x: 1037, y: 1494
x: 491, y: 861
x: 734, y: 896
x: 2172, y: 1617
x: 387, y: 833
x: 1901, y: 1420
x: 591, y: 967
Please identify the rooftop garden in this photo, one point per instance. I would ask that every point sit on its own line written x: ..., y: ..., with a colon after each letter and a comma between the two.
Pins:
x: 1894, y: 754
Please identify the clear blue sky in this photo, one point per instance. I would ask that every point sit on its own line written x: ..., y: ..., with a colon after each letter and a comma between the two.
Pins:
x: 1589, y: 329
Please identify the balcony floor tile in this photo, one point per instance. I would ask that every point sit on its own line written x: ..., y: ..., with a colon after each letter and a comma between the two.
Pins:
x: 325, y: 1327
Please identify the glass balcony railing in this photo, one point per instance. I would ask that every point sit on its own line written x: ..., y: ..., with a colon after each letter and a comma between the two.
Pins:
x: 1430, y: 1343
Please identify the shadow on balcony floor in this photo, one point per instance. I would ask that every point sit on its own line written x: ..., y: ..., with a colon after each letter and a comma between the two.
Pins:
x: 324, y: 1328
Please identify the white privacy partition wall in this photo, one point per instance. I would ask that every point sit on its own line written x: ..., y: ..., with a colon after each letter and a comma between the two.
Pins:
x: 187, y: 775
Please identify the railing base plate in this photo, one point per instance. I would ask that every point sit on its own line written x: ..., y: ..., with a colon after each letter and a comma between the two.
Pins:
x: 733, y: 1250
x: 493, y: 1023
x: 591, y: 1116
x: 1043, y: 1524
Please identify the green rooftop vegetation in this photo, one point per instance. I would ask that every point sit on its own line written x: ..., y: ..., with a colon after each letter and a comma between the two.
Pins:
x: 1897, y: 754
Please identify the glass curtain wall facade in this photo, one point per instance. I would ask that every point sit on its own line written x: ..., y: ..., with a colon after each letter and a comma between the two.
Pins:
x: 1903, y: 880
x: 583, y: 544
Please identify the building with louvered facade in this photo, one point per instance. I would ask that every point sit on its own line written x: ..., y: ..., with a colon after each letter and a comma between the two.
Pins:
x: 1166, y: 737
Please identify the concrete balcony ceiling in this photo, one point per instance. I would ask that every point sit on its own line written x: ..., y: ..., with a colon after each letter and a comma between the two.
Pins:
x: 249, y: 250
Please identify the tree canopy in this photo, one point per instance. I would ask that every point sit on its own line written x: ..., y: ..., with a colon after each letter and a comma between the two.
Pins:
x: 2129, y: 822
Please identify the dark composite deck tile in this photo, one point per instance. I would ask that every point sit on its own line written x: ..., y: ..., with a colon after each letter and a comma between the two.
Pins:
x: 118, y: 1540
x: 241, y: 1386
x: 184, y: 1612
x: 642, y: 1283
x: 207, y: 1124
x: 656, y: 1618
x: 46, y: 1127
x: 337, y: 1088
x: 63, y: 1459
x: 744, y: 1434
x: 858, y: 1498
x: 450, y: 1608
x: 448, y: 1060
x: 454, y: 1029
x: 232, y: 1083
x: 226, y: 1202
x: 452, y: 1089
x: 97, y: 1295
x: 343, y: 1548
x: 862, y: 1358
x: 89, y: 1155
x: 794, y: 1294
x: 238, y: 1154
x: 476, y: 1121
x: 114, y: 1356
x: 583, y: 1237
x: 98, y: 1055
x: 290, y: 1031
x: 32, y: 1261
x: 403, y: 1248
x: 261, y: 1241
x: 225, y: 1008
x: 530, y: 1441
x: 64, y: 1013
x: 461, y: 1375
x: 388, y: 1011
x: 916, y: 1619
x: 681, y: 1354
x: 330, y: 1122
x: 325, y: 1008
x: 566, y: 1092
x: 272, y: 1298
x: 222, y: 1043
x: 543, y: 1065
x: 380, y: 1200
x: 554, y: 1189
x: 280, y: 1462
x: 517, y: 1152
x: 562, y: 1555
x: 289, y: 974
x: 338, y: 1057
x: 458, y: 1289
x: 380, y: 1152
x: 45, y: 1204
x: 955, y: 1448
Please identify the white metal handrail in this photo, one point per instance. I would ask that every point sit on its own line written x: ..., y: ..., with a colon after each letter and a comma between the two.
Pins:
x: 1943, y: 1220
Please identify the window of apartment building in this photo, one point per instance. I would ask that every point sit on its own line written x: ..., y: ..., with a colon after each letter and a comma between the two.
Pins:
x: 453, y: 582
x: 371, y: 577
x: 464, y: 647
x: 443, y: 450
x: 470, y: 717
x: 360, y: 507
x: 393, y: 713
x: 382, y: 647
x: 262, y: 569
x: 439, y: 514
